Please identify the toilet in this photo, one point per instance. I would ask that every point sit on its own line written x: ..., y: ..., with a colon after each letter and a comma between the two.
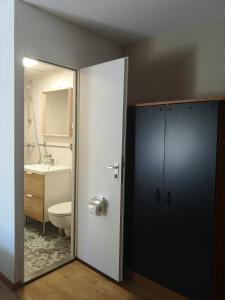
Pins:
x: 60, y: 216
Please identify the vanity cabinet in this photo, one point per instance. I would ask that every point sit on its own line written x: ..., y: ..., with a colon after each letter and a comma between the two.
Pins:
x: 177, y: 228
x: 44, y: 190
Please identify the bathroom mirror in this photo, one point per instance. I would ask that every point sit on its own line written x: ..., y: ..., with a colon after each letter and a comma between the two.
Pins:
x: 56, y: 113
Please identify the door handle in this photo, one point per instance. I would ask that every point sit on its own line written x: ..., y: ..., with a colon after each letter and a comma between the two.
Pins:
x: 157, y: 196
x: 169, y: 198
x: 115, y: 168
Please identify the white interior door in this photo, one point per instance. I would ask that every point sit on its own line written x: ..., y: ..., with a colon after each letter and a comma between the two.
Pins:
x: 102, y: 109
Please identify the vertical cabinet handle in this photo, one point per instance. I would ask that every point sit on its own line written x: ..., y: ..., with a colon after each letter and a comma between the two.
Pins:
x: 157, y: 196
x: 169, y: 198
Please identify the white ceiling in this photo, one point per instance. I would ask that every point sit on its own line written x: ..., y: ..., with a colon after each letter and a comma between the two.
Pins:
x: 127, y: 21
x: 40, y: 69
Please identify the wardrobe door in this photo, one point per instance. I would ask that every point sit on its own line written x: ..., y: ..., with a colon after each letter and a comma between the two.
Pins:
x: 148, y: 191
x: 190, y: 167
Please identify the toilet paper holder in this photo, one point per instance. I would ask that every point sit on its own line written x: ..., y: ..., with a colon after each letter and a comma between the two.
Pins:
x: 99, y: 201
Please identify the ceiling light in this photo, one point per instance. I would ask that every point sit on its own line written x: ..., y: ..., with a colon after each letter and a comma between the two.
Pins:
x: 29, y: 63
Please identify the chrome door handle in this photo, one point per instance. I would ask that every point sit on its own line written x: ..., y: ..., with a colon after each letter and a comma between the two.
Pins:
x: 115, y: 168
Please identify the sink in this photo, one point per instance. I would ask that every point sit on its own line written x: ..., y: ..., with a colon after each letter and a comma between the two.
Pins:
x: 45, y: 169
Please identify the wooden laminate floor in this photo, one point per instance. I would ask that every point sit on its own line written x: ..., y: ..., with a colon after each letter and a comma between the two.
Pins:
x: 77, y: 281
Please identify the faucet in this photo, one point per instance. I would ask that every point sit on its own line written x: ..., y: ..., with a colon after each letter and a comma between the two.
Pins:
x: 48, y: 160
x: 51, y: 162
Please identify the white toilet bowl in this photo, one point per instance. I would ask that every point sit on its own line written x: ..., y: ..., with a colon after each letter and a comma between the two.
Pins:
x: 60, y: 216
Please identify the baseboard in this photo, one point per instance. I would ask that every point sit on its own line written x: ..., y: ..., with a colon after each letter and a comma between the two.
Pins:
x: 12, y: 286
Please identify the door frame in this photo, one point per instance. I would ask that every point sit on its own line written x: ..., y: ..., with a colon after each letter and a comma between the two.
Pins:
x: 20, y: 237
x: 75, y: 173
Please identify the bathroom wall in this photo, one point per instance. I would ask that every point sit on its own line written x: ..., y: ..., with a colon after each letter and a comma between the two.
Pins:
x: 28, y: 31
x: 7, y: 202
x: 183, y: 64
x: 47, y: 81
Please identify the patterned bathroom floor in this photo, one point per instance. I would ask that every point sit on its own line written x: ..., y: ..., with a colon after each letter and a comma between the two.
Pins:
x: 42, y: 251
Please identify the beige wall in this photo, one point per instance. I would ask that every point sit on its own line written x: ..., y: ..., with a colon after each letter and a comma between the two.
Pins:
x: 38, y: 84
x: 183, y: 64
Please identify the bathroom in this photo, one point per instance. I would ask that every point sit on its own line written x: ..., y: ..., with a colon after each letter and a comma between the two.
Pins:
x: 48, y: 157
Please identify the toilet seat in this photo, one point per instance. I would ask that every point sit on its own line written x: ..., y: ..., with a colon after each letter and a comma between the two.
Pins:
x: 61, y: 209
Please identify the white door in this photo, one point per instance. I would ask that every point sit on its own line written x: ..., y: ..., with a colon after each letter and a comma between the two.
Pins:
x: 102, y: 110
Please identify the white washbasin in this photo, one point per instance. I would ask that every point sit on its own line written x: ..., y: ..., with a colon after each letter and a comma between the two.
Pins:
x: 45, y: 169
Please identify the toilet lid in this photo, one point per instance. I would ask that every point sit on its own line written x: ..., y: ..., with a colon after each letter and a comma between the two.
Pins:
x: 61, y: 209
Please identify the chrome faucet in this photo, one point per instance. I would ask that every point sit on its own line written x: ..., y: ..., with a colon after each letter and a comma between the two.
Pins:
x: 51, y: 162
x: 48, y: 160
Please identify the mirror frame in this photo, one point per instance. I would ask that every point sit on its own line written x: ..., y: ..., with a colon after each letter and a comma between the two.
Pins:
x: 69, y: 113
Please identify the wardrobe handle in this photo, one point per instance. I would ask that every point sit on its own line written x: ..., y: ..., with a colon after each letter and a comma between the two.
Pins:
x: 157, y: 196
x: 169, y: 198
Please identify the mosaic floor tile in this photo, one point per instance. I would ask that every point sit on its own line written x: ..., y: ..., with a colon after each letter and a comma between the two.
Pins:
x: 41, y: 251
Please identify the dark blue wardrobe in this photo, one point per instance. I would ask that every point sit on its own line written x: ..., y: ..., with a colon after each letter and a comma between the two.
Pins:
x: 175, y: 193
